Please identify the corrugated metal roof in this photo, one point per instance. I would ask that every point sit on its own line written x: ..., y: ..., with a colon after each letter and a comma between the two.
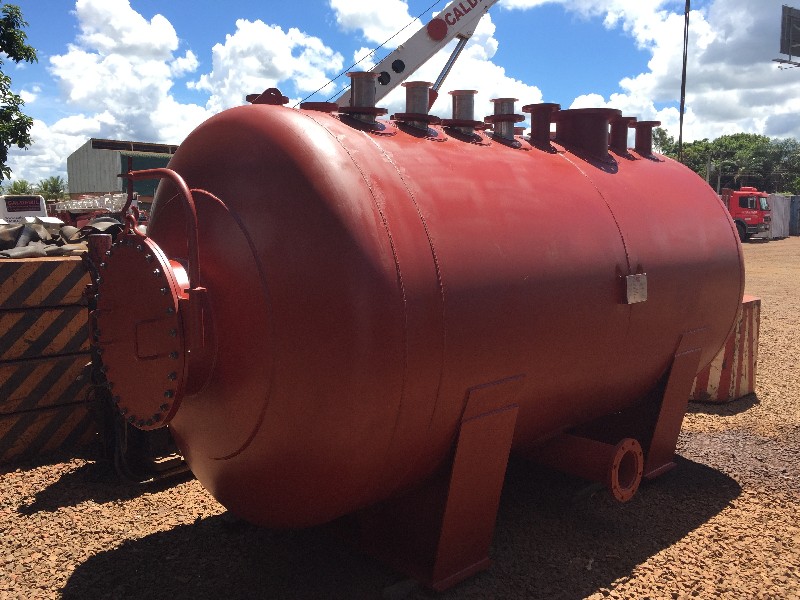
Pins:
x: 148, y: 147
x: 145, y: 154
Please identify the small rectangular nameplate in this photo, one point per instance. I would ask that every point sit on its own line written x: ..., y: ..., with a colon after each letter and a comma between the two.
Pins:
x: 636, y: 288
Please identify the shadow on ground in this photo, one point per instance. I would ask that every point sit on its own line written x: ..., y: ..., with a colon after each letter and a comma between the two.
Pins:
x: 727, y: 409
x: 96, y: 481
x: 556, y: 537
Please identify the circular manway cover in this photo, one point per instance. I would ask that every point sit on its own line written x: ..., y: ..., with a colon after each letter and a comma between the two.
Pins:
x: 139, y: 332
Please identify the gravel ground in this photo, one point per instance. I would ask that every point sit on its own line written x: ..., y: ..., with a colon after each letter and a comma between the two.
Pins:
x: 724, y: 524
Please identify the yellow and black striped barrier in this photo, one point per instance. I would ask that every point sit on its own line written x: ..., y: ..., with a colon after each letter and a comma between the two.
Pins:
x: 44, y: 353
x: 42, y: 282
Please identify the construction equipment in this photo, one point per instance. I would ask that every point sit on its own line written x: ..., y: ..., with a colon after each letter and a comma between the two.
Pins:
x: 458, y: 20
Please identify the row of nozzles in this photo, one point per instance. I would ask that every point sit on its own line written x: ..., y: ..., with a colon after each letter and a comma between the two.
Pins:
x: 591, y: 130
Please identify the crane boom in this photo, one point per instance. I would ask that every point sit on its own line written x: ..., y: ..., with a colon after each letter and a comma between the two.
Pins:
x: 458, y: 20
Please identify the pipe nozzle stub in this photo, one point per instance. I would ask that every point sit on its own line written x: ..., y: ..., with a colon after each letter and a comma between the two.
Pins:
x: 418, y: 99
x: 619, y: 467
x: 644, y: 137
x: 463, y: 104
x: 362, y: 88
x: 618, y: 138
x: 586, y: 129
x: 362, y: 97
x: 504, y: 118
x: 464, y: 112
x: 542, y: 115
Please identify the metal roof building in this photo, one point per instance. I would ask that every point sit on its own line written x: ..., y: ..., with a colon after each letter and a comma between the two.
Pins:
x: 94, y: 168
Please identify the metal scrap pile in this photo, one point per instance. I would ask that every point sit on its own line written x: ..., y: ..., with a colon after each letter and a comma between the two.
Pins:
x: 50, y: 237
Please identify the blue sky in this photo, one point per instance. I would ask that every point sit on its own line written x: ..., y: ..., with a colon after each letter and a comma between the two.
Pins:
x: 151, y: 70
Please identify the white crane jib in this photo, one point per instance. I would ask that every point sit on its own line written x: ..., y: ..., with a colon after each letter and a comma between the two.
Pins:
x: 458, y: 20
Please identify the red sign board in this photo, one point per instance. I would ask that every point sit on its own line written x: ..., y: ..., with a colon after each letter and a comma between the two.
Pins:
x: 23, y: 204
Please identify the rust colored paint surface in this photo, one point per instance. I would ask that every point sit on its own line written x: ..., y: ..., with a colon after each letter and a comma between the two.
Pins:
x: 360, y: 282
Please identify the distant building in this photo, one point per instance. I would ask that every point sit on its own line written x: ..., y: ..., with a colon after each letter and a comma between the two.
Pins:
x: 94, y: 168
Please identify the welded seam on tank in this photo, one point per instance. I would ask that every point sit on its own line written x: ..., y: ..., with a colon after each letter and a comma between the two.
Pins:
x: 610, y: 210
x: 616, y: 224
x: 380, y: 212
x: 385, y: 223
x: 263, y: 281
x: 437, y: 268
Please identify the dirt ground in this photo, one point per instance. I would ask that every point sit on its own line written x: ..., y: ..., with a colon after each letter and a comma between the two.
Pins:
x: 724, y: 524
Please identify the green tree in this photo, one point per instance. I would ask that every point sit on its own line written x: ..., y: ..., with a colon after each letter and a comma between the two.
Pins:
x: 20, y: 186
x: 664, y: 143
x: 15, y: 126
x: 783, y: 168
x: 52, y: 188
x: 695, y: 156
x: 771, y: 165
x: 743, y: 159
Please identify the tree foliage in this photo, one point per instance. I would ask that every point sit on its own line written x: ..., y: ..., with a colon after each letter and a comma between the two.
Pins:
x: 20, y: 186
x: 52, y: 188
x: 771, y: 165
x: 15, y: 126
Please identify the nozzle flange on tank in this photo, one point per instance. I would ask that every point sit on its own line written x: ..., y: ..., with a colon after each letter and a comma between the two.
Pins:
x: 140, y: 330
x: 618, y: 466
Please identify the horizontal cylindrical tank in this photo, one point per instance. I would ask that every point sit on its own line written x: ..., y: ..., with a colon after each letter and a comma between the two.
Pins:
x: 361, y: 278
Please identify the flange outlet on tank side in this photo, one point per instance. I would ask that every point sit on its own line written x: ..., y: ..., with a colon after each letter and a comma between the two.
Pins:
x: 619, y: 466
x: 153, y: 327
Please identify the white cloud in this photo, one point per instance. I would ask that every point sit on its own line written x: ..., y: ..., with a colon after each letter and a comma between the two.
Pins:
x: 637, y: 17
x: 29, y: 96
x: 123, y: 65
x: 474, y: 68
x: 184, y: 65
x: 377, y: 21
x: 364, y: 59
x: 118, y: 74
x: 116, y: 77
x: 51, y: 145
x: 113, y: 27
x: 259, y: 56
x: 732, y: 83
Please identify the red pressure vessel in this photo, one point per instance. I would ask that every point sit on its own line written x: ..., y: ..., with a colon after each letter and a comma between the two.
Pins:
x: 361, y: 280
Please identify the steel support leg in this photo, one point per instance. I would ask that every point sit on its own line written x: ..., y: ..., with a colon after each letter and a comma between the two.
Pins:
x: 440, y: 533
x: 674, y: 403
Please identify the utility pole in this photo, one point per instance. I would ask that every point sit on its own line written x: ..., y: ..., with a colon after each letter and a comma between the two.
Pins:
x: 683, y: 77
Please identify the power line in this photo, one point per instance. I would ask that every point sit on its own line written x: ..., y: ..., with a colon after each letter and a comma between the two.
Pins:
x: 370, y: 53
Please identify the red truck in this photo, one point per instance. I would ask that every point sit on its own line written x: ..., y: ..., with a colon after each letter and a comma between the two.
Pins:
x: 750, y: 210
